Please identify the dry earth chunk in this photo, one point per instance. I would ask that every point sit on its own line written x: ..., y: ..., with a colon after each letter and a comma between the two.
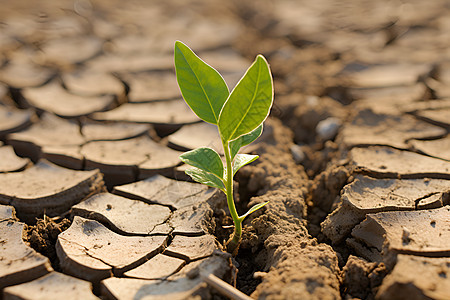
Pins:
x: 169, y: 112
x: 192, y: 220
x: 93, y: 131
x: 360, y: 277
x: 50, y: 130
x: 369, y: 128
x: 424, y: 232
x: 162, y: 160
x: 377, y: 97
x: 181, y: 287
x: 393, y: 163
x: 418, y: 106
x: 125, y: 216
x: 440, y: 117
x: 369, y: 195
x: 191, y: 248
x: 90, y: 82
x: 66, y: 51
x: 18, y: 262
x: 165, y: 191
x: 10, y: 162
x: 52, y: 97
x: 125, y: 62
x: 150, y: 86
x: 226, y: 61
x: 389, y: 75
x: 7, y: 212
x: 64, y: 156
x: 90, y: 251
x: 196, y: 135
x: 437, y: 148
x: 158, y: 267
x: 12, y: 120
x: 47, y: 188
x: 52, y: 286
x: 418, y: 277
x: 22, y: 74
x: 120, y: 160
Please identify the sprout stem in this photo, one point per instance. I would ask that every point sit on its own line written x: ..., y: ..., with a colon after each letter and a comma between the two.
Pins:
x: 232, y: 244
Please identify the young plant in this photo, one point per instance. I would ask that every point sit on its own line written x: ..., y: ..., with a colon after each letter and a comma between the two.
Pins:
x: 239, y: 116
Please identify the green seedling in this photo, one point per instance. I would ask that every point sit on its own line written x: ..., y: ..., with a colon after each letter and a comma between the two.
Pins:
x: 239, y: 116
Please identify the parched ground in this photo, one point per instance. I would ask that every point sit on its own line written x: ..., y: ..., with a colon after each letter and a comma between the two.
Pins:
x: 354, y: 158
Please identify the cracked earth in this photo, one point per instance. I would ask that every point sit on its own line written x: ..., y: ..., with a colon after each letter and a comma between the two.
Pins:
x: 354, y: 158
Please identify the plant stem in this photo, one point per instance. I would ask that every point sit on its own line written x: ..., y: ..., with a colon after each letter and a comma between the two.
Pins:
x: 233, y: 243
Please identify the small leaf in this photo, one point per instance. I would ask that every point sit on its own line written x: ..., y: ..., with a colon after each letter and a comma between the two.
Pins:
x: 249, y: 103
x: 202, y: 87
x: 241, y: 160
x: 244, y: 140
x: 205, y: 159
x: 205, y: 178
x: 253, y: 209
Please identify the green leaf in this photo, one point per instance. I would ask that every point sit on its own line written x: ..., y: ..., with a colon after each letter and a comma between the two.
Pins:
x: 205, y: 178
x: 249, y: 103
x: 205, y: 159
x: 202, y: 87
x: 253, y: 209
x: 241, y: 160
x: 244, y: 140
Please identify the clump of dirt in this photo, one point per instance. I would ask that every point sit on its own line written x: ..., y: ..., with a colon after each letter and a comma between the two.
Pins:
x: 42, y: 237
x: 362, y: 278
x: 324, y: 192
x: 276, y: 240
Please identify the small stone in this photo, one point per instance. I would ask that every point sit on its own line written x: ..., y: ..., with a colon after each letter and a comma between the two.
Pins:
x: 328, y: 128
x: 297, y: 153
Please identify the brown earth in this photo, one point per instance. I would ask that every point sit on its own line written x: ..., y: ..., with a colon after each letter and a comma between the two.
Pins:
x: 353, y: 158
